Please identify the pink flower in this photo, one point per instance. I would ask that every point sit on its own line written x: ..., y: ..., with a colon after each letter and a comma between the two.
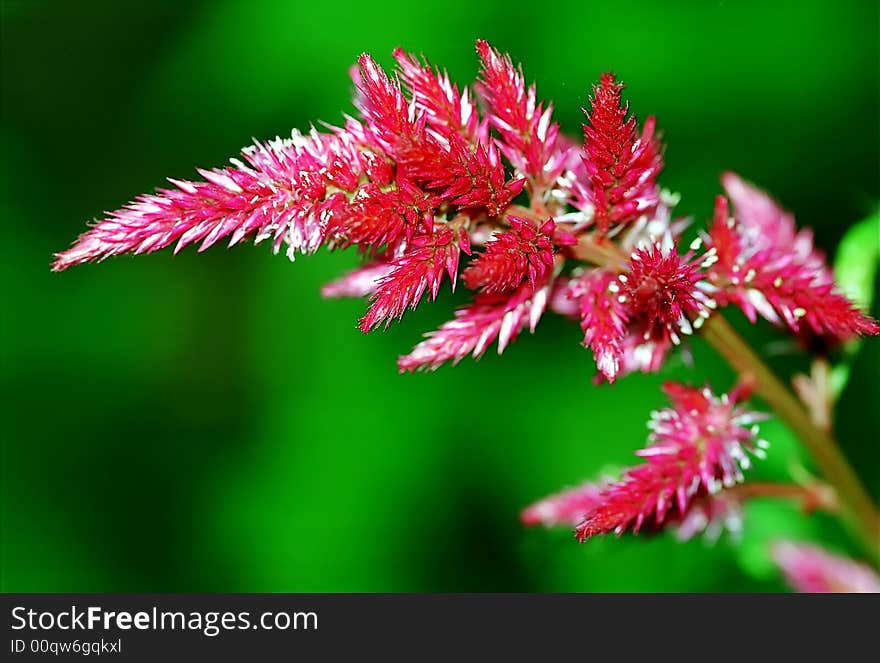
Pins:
x: 448, y: 164
x: 478, y: 325
x: 697, y: 447
x: 422, y: 173
x: 631, y: 319
x: 522, y: 253
x: 706, y: 514
x: 603, y: 319
x: 666, y: 292
x: 384, y: 217
x: 622, y: 167
x: 421, y: 268
x: 769, y: 268
x: 446, y: 109
x: 528, y: 135
x: 287, y: 189
x: 811, y: 570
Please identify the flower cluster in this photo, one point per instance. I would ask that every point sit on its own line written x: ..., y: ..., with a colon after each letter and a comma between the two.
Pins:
x: 764, y: 265
x: 430, y: 172
x: 430, y: 180
x: 697, y: 447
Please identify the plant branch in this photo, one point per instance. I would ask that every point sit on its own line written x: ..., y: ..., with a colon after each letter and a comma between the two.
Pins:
x: 812, y: 497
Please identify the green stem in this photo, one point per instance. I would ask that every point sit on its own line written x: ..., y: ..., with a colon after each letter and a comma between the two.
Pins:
x: 857, y: 505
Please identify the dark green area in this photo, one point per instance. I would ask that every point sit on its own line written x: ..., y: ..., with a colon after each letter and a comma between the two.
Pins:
x: 208, y: 423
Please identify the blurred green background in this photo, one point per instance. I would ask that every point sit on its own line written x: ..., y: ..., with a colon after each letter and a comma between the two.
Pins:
x: 208, y: 423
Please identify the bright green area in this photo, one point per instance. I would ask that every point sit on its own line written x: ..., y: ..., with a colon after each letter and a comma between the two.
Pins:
x: 207, y: 422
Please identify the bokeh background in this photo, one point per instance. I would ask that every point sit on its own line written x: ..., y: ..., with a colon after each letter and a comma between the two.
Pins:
x: 207, y: 423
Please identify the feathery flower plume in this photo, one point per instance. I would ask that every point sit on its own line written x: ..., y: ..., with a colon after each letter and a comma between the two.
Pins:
x: 288, y: 189
x: 706, y: 514
x: 477, y: 326
x: 666, y: 291
x: 697, y: 447
x: 447, y: 110
x: 622, y: 167
x: 603, y: 319
x: 456, y: 171
x: 523, y: 252
x: 421, y: 268
x: 811, y: 570
x: 769, y: 268
x: 421, y: 173
x: 631, y: 319
x: 384, y: 219
x: 528, y: 135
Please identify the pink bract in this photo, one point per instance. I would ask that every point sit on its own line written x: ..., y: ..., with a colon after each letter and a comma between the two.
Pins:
x: 427, y: 175
x: 696, y: 448
x: 424, y: 173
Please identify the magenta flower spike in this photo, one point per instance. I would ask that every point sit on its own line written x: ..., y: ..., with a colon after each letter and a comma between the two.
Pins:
x: 697, y: 447
x: 423, y: 175
x: 435, y: 184
x: 604, y: 318
x: 521, y: 252
x: 421, y: 268
x: 488, y: 319
x: 706, y: 514
x: 528, y: 137
x: 767, y: 267
x: 622, y: 166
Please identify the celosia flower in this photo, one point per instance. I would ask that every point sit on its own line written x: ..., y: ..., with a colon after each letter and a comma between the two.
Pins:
x: 706, y: 514
x: 631, y: 319
x: 523, y: 252
x: 422, y: 175
x: 478, y: 325
x: 811, y: 570
x: 386, y: 218
x: 622, y: 167
x: 528, y: 136
x: 445, y: 108
x: 665, y: 291
x: 603, y: 319
x: 421, y: 268
x: 767, y: 267
x: 697, y: 447
x: 287, y: 189
x: 460, y: 172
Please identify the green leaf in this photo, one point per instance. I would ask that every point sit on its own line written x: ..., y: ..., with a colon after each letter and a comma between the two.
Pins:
x: 858, y: 255
x: 855, y: 271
